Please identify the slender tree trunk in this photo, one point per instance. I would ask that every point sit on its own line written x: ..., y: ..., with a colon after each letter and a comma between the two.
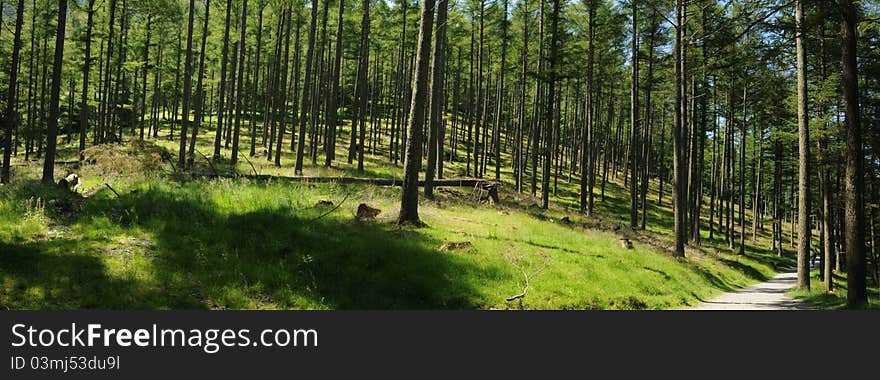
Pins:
x: 634, y: 123
x: 588, y: 176
x: 409, y: 204
x: 200, y: 91
x: 679, y: 205
x: 519, y: 157
x: 141, y: 114
x: 10, y: 115
x: 332, y: 107
x: 221, y: 107
x: 256, y: 82
x: 364, y: 61
x: 239, y: 87
x: 87, y: 63
x: 551, y: 122
x: 438, y: 71
x: 283, y: 87
x: 187, y: 87
x: 742, y: 173
x: 804, y: 229
x: 306, y: 101
x: 52, y: 125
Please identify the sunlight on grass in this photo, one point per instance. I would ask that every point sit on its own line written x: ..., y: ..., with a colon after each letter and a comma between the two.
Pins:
x: 172, y: 242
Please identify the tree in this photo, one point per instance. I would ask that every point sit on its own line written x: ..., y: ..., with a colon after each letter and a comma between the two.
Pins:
x: 187, y: 87
x: 679, y: 203
x: 239, y: 87
x: 223, y: 63
x: 409, y: 203
x: 332, y: 107
x: 52, y: 127
x: 551, y: 122
x: 634, y: 123
x: 438, y: 69
x: 87, y: 63
x: 10, y: 115
x: 200, y: 90
x: 854, y: 196
x: 803, y: 156
x: 303, y: 119
x: 363, y: 64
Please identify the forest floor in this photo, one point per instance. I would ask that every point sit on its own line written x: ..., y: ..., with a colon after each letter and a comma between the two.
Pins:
x: 162, y: 240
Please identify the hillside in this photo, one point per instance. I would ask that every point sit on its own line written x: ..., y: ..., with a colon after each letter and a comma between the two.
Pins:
x: 160, y: 240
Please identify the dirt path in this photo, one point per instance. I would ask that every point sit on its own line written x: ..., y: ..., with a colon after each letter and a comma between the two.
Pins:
x: 769, y: 295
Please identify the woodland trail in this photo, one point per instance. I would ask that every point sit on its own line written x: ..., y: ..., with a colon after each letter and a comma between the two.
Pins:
x: 768, y: 295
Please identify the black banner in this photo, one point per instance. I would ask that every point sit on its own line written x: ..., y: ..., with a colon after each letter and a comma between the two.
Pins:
x: 415, y: 344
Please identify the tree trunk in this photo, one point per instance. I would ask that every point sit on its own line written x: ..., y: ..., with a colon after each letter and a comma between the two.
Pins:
x: 854, y: 196
x: 634, y: 124
x: 256, y: 82
x: 804, y: 229
x: 239, y: 87
x: 332, y: 108
x: 87, y: 63
x: 679, y: 205
x: 200, y: 91
x: 10, y: 115
x: 283, y: 87
x: 363, y: 64
x: 588, y: 177
x: 438, y: 71
x: 187, y: 87
x: 306, y: 101
x: 52, y: 125
x: 221, y: 107
x: 409, y: 204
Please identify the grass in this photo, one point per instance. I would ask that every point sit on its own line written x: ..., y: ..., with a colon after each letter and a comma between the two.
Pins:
x: 835, y: 300
x: 168, y: 242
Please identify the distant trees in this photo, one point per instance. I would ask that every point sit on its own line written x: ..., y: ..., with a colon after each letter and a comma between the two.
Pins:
x: 564, y: 96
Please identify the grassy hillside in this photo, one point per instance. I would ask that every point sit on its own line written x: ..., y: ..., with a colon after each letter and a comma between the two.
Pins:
x: 169, y: 241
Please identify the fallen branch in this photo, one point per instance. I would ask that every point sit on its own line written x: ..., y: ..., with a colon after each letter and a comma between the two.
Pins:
x: 464, y: 182
x: 333, y: 209
x: 249, y: 163
x: 525, y: 289
x: 526, y: 276
x: 210, y: 163
x: 113, y: 190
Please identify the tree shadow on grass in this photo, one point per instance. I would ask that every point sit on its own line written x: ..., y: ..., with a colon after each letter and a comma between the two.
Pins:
x: 284, y: 258
x: 51, y: 275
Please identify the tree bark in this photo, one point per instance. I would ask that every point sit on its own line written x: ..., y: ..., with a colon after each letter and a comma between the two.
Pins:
x: 804, y: 229
x: 438, y: 70
x: 332, y: 109
x: 679, y: 205
x: 52, y: 125
x: 307, y: 85
x: 634, y: 124
x: 854, y: 196
x: 409, y: 203
x: 239, y: 87
x: 10, y: 115
x: 187, y: 87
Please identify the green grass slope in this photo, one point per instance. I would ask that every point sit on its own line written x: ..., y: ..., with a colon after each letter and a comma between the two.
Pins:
x: 169, y: 242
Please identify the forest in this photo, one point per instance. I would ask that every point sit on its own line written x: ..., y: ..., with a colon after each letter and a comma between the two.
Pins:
x: 466, y: 154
